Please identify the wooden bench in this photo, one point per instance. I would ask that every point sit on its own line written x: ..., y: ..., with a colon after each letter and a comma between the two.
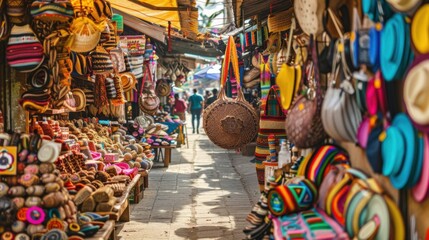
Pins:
x: 166, y: 156
x: 121, y: 210
x: 107, y: 232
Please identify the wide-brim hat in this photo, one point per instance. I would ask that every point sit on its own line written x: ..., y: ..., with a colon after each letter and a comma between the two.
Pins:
x: 404, y: 125
x: 377, y: 207
x: 392, y: 151
x: 415, y: 92
x: 419, y: 26
x: 128, y: 80
x: 80, y: 99
x: 49, y: 151
x: 86, y: 34
x: 420, y: 190
x: 396, y: 53
x: 407, y: 6
x: 310, y: 15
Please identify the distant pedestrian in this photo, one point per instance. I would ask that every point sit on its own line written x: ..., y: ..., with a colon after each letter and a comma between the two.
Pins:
x: 196, y: 106
x: 180, y: 107
x: 213, y: 98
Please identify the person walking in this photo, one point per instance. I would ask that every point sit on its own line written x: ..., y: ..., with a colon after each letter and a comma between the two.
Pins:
x: 180, y: 107
x: 213, y: 98
x: 196, y: 106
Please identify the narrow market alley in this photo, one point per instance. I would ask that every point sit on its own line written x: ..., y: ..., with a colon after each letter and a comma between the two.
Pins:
x: 205, y: 193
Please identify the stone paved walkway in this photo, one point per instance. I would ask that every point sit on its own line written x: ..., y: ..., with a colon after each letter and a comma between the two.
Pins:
x: 200, y: 196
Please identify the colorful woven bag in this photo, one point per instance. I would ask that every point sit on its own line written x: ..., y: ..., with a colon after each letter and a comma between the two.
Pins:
x: 265, y: 77
x: 300, y: 194
x: 271, y: 122
x: 24, y: 51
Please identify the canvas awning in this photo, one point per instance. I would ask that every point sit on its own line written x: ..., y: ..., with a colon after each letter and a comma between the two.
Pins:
x: 159, y: 17
x: 153, y: 31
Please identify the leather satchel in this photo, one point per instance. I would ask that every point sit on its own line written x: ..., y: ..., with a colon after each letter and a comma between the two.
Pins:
x: 304, y: 126
x: 148, y: 100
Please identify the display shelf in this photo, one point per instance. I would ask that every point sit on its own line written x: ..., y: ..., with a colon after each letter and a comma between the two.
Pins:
x: 107, y: 232
x: 121, y: 210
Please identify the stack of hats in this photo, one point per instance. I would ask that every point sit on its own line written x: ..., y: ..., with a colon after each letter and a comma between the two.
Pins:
x: 36, y: 202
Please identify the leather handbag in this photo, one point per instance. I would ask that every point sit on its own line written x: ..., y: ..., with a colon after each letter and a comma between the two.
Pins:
x: 272, y: 122
x: 148, y: 101
x: 230, y: 123
x: 304, y: 125
x: 289, y: 77
x: 340, y: 112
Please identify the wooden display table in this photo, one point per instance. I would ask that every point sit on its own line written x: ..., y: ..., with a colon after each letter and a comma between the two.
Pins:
x: 166, y: 156
x: 107, y: 232
x: 140, y: 186
x: 121, y: 211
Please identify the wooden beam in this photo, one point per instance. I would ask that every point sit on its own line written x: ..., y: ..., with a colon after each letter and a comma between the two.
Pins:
x: 179, y: 8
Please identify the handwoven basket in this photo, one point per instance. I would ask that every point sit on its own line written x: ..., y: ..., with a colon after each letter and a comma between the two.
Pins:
x: 280, y: 21
x: 230, y: 123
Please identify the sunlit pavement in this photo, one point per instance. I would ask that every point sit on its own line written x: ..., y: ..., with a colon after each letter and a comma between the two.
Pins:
x: 205, y: 193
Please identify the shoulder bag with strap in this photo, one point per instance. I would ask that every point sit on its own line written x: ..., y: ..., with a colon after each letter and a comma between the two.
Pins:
x: 230, y: 123
x: 304, y: 125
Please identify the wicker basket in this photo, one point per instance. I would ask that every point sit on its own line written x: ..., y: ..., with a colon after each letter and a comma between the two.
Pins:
x: 230, y: 123
x: 280, y: 21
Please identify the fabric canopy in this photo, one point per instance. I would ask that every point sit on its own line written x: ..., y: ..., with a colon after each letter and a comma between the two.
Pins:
x: 159, y: 17
x: 153, y: 31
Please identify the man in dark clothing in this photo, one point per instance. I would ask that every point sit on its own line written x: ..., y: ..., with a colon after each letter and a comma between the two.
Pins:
x: 213, y: 98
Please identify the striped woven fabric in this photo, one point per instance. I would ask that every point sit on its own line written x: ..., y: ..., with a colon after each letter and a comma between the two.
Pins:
x: 24, y: 51
x: 272, y: 121
x: 265, y: 77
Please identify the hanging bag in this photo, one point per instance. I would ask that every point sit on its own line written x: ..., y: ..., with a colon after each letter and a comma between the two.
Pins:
x: 289, y: 77
x: 271, y: 122
x: 304, y: 125
x: 148, y: 101
x: 24, y: 52
x: 230, y: 123
x: 340, y: 112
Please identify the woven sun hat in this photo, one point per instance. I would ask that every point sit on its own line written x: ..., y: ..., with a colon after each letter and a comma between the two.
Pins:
x: 415, y: 92
x: 80, y: 99
x: 407, y: 6
x: 419, y: 29
x: 49, y: 151
x: 128, y: 80
x: 86, y: 34
x: 309, y: 14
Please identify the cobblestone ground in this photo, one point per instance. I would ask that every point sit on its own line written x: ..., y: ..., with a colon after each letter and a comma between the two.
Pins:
x: 205, y: 193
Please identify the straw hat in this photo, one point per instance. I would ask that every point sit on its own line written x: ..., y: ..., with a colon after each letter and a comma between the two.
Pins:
x: 415, y: 91
x: 309, y: 14
x: 405, y: 5
x: 86, y: 34
x: 80, y: 99
x: 128, y: 80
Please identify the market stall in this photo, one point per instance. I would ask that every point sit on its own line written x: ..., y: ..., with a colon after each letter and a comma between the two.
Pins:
x: 341, y: 126
x: 83, y: 107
